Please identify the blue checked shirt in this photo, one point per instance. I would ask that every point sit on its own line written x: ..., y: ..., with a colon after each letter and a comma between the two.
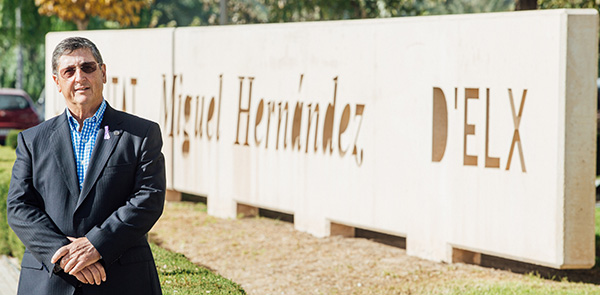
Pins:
x: 84, y: 141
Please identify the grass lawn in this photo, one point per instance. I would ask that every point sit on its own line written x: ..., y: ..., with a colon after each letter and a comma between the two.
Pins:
x: 180, y: 276
x: 535, y: 286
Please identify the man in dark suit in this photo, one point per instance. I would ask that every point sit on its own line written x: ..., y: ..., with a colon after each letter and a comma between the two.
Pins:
x: 86, y: 188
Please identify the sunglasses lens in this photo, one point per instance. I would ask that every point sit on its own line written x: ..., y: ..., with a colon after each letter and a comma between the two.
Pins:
x: 88, y: 68
x: 68, y: 73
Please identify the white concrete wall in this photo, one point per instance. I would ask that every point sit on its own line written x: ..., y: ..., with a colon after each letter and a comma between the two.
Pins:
x: 509, y: 170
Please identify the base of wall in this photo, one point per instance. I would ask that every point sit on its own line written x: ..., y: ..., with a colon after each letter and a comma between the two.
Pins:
x: 465, y: 256
x: 173, y: 196
x: 457, y: 254
x: 337, y: 229
x: 247, y: 210
x: 348, y: 231
x: 243, y: 210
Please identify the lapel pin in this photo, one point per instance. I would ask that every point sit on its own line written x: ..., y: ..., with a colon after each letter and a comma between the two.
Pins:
x: 106, y: 132
x: 117, y: 133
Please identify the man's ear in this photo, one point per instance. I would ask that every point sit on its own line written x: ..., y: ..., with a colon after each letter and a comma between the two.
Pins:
x: 103, y: 68
x: 55, y: 78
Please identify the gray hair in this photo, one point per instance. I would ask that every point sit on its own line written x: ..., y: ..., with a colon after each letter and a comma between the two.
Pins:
x: 69, y: 45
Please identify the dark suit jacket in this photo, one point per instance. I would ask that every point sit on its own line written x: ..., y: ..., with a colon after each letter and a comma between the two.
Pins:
x: 122, y: 197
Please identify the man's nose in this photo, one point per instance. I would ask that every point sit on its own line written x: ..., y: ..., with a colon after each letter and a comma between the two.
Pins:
x: 79, y: 74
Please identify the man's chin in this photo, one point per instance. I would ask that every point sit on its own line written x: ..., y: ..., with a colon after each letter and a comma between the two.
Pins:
x: 85, y: 99
x: 82, y: 93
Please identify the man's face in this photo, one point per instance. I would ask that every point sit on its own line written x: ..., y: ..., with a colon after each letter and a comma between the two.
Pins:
x: 80, y: 79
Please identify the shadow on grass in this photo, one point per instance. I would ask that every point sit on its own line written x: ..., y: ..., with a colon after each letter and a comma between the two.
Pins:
x: 590, y: 276
x: 153, y: 238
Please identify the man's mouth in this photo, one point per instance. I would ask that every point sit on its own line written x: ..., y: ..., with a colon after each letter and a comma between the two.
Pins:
x: 81, y: 89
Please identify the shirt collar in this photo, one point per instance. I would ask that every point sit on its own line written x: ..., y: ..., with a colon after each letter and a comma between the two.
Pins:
x: 96, y: 118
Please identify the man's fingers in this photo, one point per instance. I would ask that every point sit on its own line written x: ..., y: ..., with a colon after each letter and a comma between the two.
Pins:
x: 59, y: 253
x: 64, y: 260
x: 81, y: 251
x: 62, y: 251
x: 80, y: 277
x: 76, y: 268
x: 95, y: 274
x: 77, y: 257
x: 101, y: 270
x: 69, y: 266
x: 79, y: 267
x: 88, y: 275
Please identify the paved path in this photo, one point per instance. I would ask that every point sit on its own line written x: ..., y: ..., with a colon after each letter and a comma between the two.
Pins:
x: 9, y: 275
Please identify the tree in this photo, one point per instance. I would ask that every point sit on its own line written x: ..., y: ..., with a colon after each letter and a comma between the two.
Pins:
x: 471, y: 6
x: 549, y: 4
x: 31, y: 40
x: 312, y: 10
x: 526, y: 4
x: 125, y: 12
x: 171, y: 13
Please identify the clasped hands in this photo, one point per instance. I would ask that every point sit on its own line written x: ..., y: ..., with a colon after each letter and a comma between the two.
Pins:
x: 81, y: 259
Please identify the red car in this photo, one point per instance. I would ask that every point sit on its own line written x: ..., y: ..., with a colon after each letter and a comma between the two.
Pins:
x: 16, y: 111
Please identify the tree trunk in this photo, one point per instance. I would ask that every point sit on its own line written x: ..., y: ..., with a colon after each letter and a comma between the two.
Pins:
x: 19, y: 82
x: 223, y: 12
x: 525, y: 4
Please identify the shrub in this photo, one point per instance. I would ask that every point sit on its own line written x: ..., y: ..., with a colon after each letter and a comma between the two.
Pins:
x: 11, y: 138
x: 9, y: 242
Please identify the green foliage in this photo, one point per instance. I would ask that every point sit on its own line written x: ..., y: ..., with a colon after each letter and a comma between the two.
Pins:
x: 471, y: 6
x: 170, y: 13
x: 180, y: 276
x: 4, y: 228
x: 551, y: 4
x: 11, y: 138
x: 173, y: 13
x: 31, y: 38
x: 9, y: 242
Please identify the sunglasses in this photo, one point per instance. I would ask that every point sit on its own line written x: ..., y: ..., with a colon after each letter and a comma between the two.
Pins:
x: 86, y: 67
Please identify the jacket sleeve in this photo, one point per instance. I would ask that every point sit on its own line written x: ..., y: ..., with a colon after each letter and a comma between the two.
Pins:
x: 132, y: 221
x: 25, y: 211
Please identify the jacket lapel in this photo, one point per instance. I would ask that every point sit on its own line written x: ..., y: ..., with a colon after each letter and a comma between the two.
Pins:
x: 105, y: 145
x: 60, y: 140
